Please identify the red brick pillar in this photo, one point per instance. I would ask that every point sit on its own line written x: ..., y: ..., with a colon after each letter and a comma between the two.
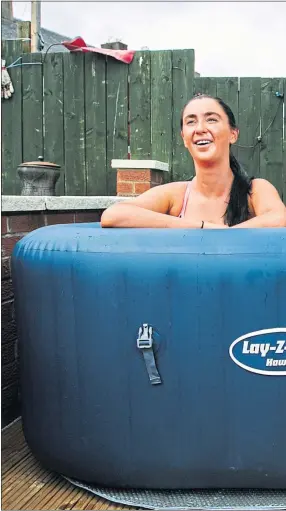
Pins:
x: 137, y: 176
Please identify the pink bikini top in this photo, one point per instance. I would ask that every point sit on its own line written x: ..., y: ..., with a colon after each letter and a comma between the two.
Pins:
x: 186, y: 198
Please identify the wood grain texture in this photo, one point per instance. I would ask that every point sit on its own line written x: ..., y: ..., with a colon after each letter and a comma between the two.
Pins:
x: 54, y: 115
x: 140, y: 106
x: 183, y: 69
x: 11, y: 126
x: 82, y: 120
x: 116, y: 113
x: 26, y: 484
x: 227, y: 90
x: 248, y: 147
x: 32, y: 107
x: 74, y: 124
x: 271, y: 153
x: 95, y: 124
x: 205, y: 85
x: 161, y: 106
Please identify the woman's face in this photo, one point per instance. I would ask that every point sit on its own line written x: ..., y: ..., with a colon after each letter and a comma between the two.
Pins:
x: 206, y: 131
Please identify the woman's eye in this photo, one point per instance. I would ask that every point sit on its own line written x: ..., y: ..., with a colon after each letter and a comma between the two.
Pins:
x: 212, y: 119
x: 191, y: 121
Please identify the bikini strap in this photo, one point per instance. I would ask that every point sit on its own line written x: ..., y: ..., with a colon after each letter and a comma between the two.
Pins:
x: 186, y: 198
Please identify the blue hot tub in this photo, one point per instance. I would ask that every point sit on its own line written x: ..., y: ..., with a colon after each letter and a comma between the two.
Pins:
x: 154, y: 358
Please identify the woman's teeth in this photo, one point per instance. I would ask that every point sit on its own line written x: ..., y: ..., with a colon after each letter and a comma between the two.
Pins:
x: 203, y: 142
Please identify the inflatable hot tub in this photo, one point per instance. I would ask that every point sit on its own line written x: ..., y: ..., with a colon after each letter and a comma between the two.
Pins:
x: 154, y: 358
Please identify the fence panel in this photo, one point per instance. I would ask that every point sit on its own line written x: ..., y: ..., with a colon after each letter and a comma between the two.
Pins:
x: 161, y: 106
x: 32, y: 120
x: 140, y: 106
x: 183, y: 85
x: 117, y: 118
x: 249, y: 124
x: 227, y: 90
x: 75, y: 178
x: 11, y: 136
x: 205, y: 85
x: 95, y: 124
x: 271, y: 152
x: 54, y: 114
x: 81, y: 120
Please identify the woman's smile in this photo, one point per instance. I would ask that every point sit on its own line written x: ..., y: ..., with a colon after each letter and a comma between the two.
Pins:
x: 203, y: 144
x: 203, y: 141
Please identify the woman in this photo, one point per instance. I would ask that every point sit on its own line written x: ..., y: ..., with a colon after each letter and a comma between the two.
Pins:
x: 221, y: 195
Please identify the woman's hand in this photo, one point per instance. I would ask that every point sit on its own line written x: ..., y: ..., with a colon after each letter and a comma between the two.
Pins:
x: 210, y: 225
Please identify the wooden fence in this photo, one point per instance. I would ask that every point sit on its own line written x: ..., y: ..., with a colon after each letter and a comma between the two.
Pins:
x: 82, y: 110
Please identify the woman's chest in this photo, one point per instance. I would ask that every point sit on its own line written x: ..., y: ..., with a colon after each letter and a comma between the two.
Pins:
x: 207, y: 209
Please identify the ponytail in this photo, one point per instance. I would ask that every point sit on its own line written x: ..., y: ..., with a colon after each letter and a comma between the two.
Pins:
x: 237, y: 210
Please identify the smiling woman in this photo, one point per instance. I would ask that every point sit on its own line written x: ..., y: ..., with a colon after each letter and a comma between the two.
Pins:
x: 221, y: 195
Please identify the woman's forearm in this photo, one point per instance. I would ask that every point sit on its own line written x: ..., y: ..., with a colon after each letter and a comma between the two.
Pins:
x: 269, y: 219
x: 129, y: 215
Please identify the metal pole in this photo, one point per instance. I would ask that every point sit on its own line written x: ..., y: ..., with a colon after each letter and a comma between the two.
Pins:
x: 35, y: 25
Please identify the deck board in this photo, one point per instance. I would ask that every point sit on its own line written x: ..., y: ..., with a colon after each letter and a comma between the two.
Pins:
x: 26, y: 484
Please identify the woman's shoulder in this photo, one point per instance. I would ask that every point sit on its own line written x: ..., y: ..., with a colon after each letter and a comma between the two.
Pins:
x: 177, y: 191
x: 176, y: 185
x: 263, y: 192
x: 166, y: 198
x: 260, y: 185
x: 169, y: 188
x: 169, y: 195
x: 259, y: 180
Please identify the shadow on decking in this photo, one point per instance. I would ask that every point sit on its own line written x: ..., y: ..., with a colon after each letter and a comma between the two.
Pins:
x: 27, y: 485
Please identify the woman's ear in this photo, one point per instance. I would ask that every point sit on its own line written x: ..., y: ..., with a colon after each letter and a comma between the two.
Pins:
x: 234, y: 135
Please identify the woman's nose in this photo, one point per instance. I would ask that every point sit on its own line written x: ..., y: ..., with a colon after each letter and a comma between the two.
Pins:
x: 200, y: 127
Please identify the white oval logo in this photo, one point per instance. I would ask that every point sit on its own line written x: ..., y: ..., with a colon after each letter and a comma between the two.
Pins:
x: 261, y: 352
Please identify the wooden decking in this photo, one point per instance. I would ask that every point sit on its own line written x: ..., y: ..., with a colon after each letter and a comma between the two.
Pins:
x: 26, y: 484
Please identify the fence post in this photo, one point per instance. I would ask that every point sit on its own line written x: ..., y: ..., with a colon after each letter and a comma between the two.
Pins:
x: 24, y: 32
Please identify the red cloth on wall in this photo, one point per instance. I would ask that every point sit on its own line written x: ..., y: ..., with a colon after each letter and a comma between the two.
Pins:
x: 78, y: 44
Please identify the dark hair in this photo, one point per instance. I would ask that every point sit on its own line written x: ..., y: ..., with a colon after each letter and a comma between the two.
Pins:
x: 237, y: 210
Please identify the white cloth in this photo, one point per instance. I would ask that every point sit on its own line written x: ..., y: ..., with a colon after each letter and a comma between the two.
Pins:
x: 7, y: 88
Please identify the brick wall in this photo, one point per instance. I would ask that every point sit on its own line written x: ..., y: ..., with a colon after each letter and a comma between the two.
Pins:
x: 132, y: 182
x: 14, y: 227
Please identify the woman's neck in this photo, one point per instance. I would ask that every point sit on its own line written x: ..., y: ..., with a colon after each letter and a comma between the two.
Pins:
x: 213, y: 181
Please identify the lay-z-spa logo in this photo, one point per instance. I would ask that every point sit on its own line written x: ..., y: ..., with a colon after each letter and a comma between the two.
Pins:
x: 262, y: 352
